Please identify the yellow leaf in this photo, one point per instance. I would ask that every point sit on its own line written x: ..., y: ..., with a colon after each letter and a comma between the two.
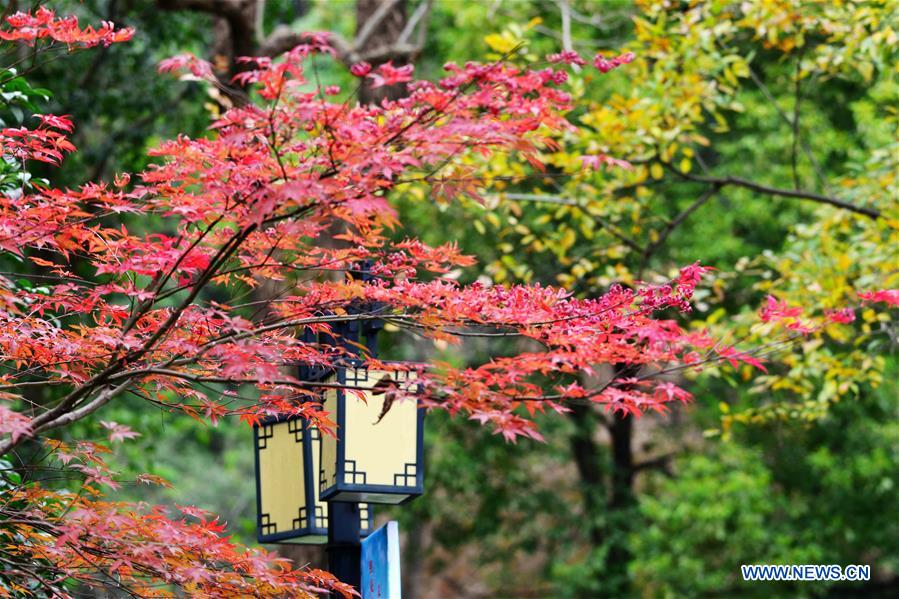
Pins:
x: 501, y: 43
x: 568, y: 239
x: 656, y: 171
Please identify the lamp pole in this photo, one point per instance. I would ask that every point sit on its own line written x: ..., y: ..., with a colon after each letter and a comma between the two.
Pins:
x: 344, y: 542
x: 344, y: 547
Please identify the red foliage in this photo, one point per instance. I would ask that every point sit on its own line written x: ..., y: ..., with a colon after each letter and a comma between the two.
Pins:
x: 43, y: 144
x: 605, y: 65
x: 43, y: 24
x: 887, y: 296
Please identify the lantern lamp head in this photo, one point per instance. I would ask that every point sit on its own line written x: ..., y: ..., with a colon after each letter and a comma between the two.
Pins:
x: 289, y: 509
x: 375, y: 455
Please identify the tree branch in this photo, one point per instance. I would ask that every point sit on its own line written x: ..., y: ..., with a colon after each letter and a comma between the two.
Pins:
x: 797, y: 102
x: 283, y: 38
x: 421, y: 14
x: 371, y: 24
x: 792, y: 123
x: 95, y: 404
x: 662, y: 462
x: 548, y: 199
x: 872, y: 213
x: 565, y: 10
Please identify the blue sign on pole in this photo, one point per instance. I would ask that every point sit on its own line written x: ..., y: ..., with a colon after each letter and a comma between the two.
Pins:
x: 381, y: 563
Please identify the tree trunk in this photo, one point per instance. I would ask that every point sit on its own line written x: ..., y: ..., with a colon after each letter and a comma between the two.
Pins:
x: 608, y: 490
x: 621, y: 504
x: 586, y: 455
x: 383, y: 35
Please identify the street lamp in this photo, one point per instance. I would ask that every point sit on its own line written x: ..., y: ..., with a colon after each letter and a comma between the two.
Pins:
x: 316, y: 488
x: 289, y: 509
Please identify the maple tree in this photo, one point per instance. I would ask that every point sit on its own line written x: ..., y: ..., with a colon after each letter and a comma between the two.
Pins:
x: 290, y: 188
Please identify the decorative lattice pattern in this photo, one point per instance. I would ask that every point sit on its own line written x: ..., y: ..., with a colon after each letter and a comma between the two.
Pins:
x: 300, y: 521
x: 296, y: 427
x: 408, y: 477
x: 266, y: 525
x: 352, y: 476
x: 263, y: 434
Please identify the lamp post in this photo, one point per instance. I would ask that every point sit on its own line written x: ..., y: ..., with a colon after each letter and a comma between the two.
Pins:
x: 313, y: 488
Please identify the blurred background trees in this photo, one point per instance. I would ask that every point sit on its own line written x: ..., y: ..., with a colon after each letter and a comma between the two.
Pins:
x: 763, y: 141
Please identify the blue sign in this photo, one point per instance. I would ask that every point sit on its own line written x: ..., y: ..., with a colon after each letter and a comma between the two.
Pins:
x: 381, y: 563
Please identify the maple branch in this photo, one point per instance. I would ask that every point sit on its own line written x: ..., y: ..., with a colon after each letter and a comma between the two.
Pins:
x: 58, y: 413
x: 98, y: 402
x: 222, y: 256
x: 872, y: 213
x: 68, y: 416
x: 157, y: 286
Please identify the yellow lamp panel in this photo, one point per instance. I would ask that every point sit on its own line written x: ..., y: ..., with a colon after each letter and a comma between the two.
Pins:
x: 281, y: 480
x: 379, y: 450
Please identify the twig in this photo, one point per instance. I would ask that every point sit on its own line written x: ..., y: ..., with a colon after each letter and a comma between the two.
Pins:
x: 565, y: 9
x: 783, y: 115
x: 872, y: 213
x: 548, y: 199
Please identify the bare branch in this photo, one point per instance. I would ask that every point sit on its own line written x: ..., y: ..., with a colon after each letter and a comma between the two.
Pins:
x: 565, y: 9
x: 662, y: 462
x: 95, y: 404
x: 372, y: 23
x: 783, y: 115
x: 797, y: 102
x: 421, y: 12
x: 530, y: 197
x: 872, y: 213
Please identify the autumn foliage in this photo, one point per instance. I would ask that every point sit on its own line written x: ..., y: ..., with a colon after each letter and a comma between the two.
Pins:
x: 291, y: 189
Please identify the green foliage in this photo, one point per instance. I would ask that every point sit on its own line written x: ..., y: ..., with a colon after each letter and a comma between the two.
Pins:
x: 18, y: 101
x: 121, y: 107
x: 713, y: 93
x: 777, y: 495
x: 717, y: 514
